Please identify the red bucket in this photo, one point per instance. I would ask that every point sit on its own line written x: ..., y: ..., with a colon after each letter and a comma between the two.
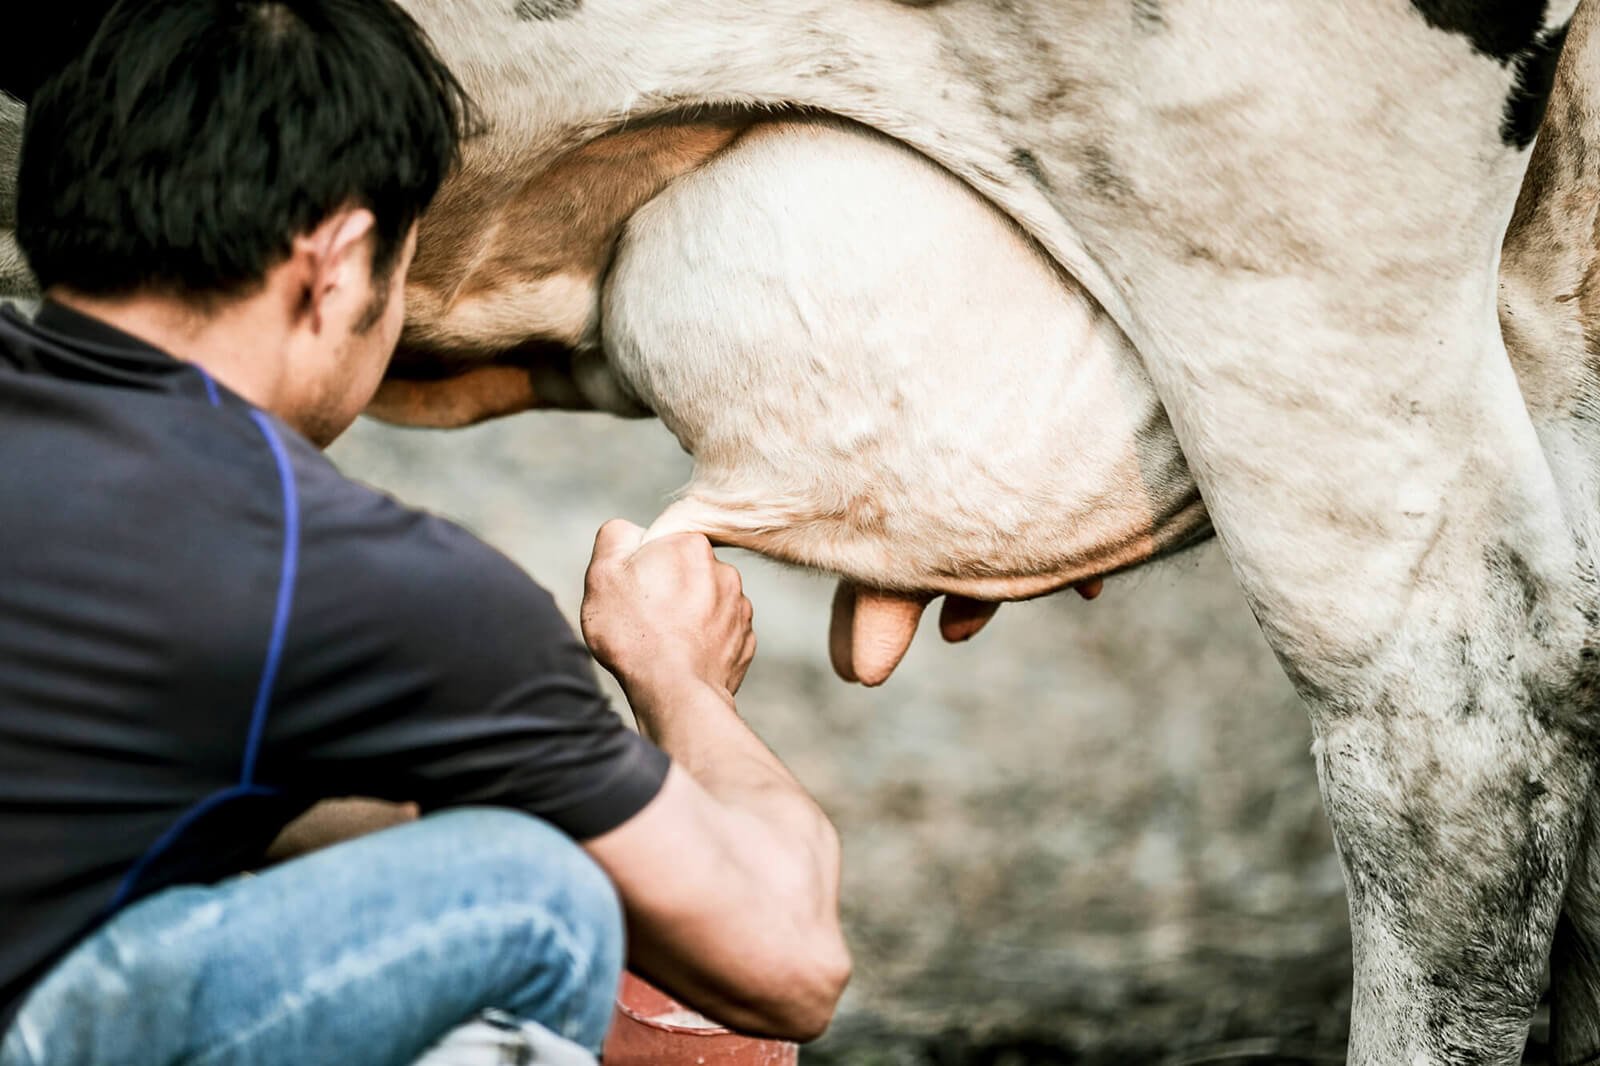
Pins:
x: 650, y: 1028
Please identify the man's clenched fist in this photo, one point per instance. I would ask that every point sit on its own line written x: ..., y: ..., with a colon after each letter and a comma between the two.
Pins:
x: 666, y: 613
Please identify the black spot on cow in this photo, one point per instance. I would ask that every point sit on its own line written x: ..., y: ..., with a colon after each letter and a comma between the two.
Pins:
x: 1100, y: 177
x: 1217, y: 258
x: 1503, y: 29
x: 1512, y: 32
x: 1029, y: 164
x: 1509, y: 568
x: 1536, y: 76
x: 545, y: 10
x: 1148, y: 15
x: 1470, y: 703
x: 1424, y: 837
x: 1566, y: 699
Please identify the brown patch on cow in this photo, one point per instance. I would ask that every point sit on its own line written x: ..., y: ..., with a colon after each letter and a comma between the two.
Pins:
x: 495, y: 229
x: 507, y: 259
x: 1550, y: 269
x: 1589, y: 295
x: 486, y: 314
x: 477, y: 395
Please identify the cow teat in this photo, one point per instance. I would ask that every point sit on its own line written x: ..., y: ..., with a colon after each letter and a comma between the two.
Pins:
x: 871, y: 631
x: 961, y: 617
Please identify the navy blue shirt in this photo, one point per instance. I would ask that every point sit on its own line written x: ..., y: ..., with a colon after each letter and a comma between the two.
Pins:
x: 205, y: 628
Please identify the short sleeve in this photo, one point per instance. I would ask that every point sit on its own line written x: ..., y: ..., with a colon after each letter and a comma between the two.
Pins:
x: 422, y: 665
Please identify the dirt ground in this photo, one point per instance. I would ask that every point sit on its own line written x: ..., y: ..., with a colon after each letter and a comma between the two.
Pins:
x: 1090, y: 836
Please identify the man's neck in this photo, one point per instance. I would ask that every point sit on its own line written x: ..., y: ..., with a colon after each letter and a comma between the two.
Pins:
x: 240, y: 343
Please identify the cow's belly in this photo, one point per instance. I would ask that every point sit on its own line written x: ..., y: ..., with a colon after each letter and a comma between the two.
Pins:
x: 879, y: 376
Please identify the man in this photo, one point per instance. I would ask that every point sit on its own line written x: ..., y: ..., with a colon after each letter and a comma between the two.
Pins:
x: 204, y: 629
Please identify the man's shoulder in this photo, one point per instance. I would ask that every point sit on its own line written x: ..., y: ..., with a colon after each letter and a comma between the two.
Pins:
x: 379, y: 546
x: 341, y: 512
x: 389, y: 591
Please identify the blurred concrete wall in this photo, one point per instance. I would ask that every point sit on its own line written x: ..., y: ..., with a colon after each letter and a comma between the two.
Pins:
x: 1091, y: 835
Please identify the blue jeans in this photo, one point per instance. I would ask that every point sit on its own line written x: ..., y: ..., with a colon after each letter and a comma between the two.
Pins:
x: 369, y: 952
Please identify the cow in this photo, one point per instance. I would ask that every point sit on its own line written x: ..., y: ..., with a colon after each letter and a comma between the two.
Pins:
x: 1319, y: 279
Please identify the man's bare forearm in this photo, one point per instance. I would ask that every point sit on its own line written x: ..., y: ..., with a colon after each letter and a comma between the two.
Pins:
x: 730, y: 877
x: 700, y: 727
x: 778, y: 847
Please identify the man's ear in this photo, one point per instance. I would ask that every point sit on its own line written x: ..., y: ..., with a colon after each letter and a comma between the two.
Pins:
x: 336, y: 259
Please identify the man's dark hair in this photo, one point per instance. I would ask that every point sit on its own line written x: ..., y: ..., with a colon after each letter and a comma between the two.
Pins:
x: 192, y: 140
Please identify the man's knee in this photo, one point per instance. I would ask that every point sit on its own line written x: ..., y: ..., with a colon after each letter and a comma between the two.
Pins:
x: 527, y: 855
x: 517, y: 856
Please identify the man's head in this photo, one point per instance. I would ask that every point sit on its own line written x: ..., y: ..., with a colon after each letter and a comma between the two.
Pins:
x: 213, y: 153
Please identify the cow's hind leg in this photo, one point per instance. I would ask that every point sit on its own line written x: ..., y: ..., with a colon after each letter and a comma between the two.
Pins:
x: 1456, y: 840
x: 1327, y: 346
x: 1410, y: 563
x: 1575, y: 957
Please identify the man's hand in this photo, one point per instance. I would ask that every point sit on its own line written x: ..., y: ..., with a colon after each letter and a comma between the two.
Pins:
x: 665, y: 614
x: 730, y: 876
